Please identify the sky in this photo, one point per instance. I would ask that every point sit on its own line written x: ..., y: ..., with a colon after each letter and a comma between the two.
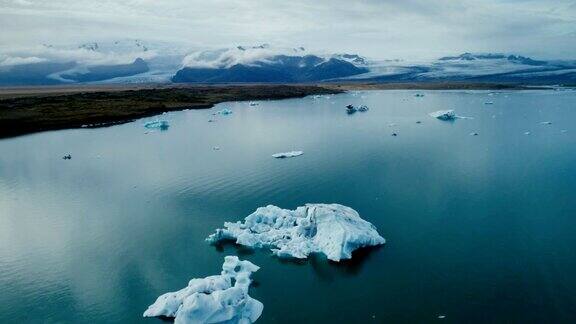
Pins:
x: 385, y: 29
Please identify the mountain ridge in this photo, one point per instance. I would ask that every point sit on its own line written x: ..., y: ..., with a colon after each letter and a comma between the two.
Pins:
x: 276, y: 69
x: 133, y: 61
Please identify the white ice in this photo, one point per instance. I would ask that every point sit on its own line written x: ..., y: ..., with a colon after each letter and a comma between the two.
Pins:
x: 444, y: 114
x: 214, y: 299
x: 225, y: 111
x: 287, y: 154
x: 161, y: 124
x: 331, y: 229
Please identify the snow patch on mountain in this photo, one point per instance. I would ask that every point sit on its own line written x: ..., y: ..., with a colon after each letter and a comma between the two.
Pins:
x: 352, y: 58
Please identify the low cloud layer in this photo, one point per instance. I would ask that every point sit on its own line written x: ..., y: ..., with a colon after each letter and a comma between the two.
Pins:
x: 84, y: 55
x: 410, y: 29
x: 245, y: 55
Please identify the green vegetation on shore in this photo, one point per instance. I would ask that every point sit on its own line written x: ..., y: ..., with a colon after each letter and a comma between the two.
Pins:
x: 35, y: 113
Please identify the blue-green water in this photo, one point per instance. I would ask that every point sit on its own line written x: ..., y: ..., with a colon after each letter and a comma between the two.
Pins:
x: 478, y: 228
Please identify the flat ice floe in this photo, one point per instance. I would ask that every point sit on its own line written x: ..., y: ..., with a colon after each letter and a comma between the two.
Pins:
x: 284, y: 155
x: 331, y: 229
x: 214, y: 299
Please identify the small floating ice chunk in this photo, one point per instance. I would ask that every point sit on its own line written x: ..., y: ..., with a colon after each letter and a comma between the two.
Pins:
x: 287, y: 154
x: 331, y: 229
x: 160, y: 124
x: 225, y: 111
x: 546, y: 123
x: 564, y: 131
x: 444, y: 114
x: 527, y: 133
x: 351, y: 109
x: 214, y: 299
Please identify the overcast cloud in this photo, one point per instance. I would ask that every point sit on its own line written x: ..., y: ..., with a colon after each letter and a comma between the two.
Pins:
x: 410, y: 29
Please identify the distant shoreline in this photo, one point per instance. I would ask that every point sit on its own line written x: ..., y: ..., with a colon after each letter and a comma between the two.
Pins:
x: 30, y: 110
x: 432, y: 86
x: 19, y: 91
x: 25, y: 110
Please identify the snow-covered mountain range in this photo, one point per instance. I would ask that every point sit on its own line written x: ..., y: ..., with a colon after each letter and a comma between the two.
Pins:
x: 136, y: 61
x: 109, y: 62
x: 264, y: 64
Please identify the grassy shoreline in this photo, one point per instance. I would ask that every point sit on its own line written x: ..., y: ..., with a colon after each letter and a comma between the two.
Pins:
x: 25, y: 110
x: 41, y: 111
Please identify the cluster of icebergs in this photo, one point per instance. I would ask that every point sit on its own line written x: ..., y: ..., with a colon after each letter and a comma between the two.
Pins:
x: 223, y: 112
x: 331, y: 229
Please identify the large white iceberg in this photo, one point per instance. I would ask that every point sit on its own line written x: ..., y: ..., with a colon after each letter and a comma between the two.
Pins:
x: 332, y: 229
x: 284, y: 155
x: 214, y: 299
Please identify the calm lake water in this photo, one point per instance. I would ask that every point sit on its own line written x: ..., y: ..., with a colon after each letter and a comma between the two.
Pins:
x: 478, y: 228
